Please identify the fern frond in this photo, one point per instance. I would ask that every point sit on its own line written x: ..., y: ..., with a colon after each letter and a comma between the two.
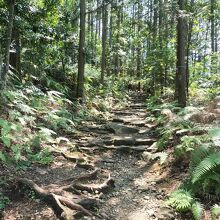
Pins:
x: 198, y: 155
x: 205, y: 166
x: 197, y: 210
x: 181, y: 200
x: 215, y: 212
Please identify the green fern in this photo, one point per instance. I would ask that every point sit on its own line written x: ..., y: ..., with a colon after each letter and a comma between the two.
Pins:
x: 181, y: 200
x: 188, y: 144
x: 197, y: 210
x: 198, y: 155
x: 205, y: 166
x: 215, y: 135
x: 215, y: 212
x: 165, y: 138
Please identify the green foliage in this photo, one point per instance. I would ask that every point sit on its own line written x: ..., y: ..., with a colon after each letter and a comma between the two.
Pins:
x: 181, y: 200
x: 198, y: 155
x: 189, y: 144
x: 206, y: 167
x: 183, y: 124
x: 215, y: 212
x: 215, y: 135
x: 204, y: 171
x: 4, y: 200
x: 59, y: 120
x: 197, y: 210
x: 164, y: 140
x: 43, y: 157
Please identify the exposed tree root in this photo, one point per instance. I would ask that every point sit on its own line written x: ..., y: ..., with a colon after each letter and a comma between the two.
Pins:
x: 66, y: 204
x: 109, y: 183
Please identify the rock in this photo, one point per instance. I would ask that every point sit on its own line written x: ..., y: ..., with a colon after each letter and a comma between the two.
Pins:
x: 146, y: 141
x: 108, y: 160
x: 123, y: 141
x: 153, y: 147
x: 41, y: 171
x: 120, y: 120
x: 168, y: 114
x: 146, y: 156
x: 104, y: 215
x: 147, y: 197
x: 138, y: 106
x: 144, y: 131
x: 159, y: 197
x: 121, y: 129
x: 182, y: 132
x: 139, y: 148
x: 150, y: 212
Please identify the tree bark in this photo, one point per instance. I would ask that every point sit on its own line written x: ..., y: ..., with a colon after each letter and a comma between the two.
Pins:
x: 15, y: 57
x: 212, y: 25
x: 81, y: 58
x: 11, y: 8
x: 181, y: 52
x: 104, y: 40
x: 189, y: 37
x: 139, y: 44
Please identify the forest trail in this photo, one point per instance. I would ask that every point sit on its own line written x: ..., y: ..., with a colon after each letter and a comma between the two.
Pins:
x: 114, y: 147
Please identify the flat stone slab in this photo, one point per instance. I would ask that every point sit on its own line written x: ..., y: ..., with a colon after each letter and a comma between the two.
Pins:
x: 124, y: 141
x: 129, y: 120
x: 138, y: 106
x: 144, y: 141
x: 126, y: 148
x: 121, y: 129
x: 129, y: 141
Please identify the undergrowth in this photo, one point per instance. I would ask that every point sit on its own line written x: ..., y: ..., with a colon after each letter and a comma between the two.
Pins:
x: 199, y: 147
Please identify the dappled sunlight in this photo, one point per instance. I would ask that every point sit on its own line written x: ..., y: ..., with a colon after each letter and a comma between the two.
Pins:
x: 109, y: 110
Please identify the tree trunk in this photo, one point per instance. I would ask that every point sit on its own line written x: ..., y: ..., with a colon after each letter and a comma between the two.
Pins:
x: 181, y: 52
x: 212, y: 25
x: 104, y: 40
x: 213, y: 44
x: 81, y: 58
x: 15, y: 56
x: 1, y: 63
x: 11, y: 8
x: 154, y: 30
x: 139, y: 45
x: 190, y: 27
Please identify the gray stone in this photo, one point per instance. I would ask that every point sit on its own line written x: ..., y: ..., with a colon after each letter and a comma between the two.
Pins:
x: 121, y: 129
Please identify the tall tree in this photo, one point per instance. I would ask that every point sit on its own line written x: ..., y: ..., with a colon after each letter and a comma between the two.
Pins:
x: 81, y: 57
x: 181, y: 53
x: 104, y: 40
x: 11, y: 8
x: 212, y: 13
x: 139, y: 44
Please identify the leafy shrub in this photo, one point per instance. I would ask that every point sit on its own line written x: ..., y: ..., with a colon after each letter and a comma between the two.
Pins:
x: 204, y: 174
x: 181, y: 200
x: 189, y: 144
x: 56, y: 121
x: 164, y: 140
x: 4, y: 200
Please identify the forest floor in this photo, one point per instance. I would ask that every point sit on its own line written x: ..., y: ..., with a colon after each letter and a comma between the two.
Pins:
x: 127, y: 186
